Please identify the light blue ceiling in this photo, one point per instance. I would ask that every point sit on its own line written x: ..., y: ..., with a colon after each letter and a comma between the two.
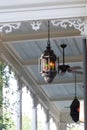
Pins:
x: 63, y: 90
x: 31, y: 50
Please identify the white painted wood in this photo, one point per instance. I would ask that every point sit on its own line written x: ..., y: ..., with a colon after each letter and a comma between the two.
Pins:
x: 34, y: 116
x: 40, y: 36
x: 64, y: 81
x: 47, y: 120
x: 19, y: 106
x: 35, y: 2
x: 81, y: 115
x: 15, y: 14
x: 63, y: 126
x: 57, y: 125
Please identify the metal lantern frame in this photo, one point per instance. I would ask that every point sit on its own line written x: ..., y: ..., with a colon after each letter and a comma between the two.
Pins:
x: 48, y: 61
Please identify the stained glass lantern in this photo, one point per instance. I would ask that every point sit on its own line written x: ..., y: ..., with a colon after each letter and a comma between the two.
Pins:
x: 48, y: 65
x: 48, y: 61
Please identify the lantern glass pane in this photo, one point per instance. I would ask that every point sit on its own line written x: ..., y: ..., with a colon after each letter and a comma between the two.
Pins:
x: 45, y: 64
x: 52, y: 64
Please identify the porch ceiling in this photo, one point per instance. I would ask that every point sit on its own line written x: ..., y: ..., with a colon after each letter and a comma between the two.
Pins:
x: 23, y: 47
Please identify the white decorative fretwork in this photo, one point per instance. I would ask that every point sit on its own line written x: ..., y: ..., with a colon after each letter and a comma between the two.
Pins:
x: 76, y: 23
x: 8, y: 27
x: 36, y: 25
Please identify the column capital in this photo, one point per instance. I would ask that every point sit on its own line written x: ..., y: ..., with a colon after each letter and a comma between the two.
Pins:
x: 63, y: 126
x: 19, y: 82
x: 47, y: 115
x: 57, y: 125
x: 35, y: 100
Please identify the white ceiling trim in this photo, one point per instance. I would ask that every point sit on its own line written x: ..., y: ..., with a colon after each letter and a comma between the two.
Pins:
x: 37, y: 3
x: 39, y: 36
x: 64, y: 23
x: 64, y: 98
x: 78, y: 23
x: 43, y: 13
x: 62, y: 81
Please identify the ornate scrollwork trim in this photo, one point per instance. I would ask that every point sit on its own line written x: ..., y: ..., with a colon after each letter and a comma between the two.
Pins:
x: 36, y: 25
x: 76, y: 23
x: 8, y: 27
x: 79, y: 24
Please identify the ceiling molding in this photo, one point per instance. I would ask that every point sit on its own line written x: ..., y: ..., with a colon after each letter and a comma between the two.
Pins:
x: 65, y: 98
x: 16, y: 14
x: 35, y: 36
x: 37, y: 4
x: 62, y: 81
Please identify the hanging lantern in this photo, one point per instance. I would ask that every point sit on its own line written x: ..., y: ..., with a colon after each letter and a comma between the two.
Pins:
x: 75, y: 109
x: 75, y: 106
x: 48, y: 62
x: 48, y: 65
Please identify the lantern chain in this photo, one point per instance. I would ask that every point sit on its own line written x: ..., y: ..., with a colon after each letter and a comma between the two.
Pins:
x: 75, y: 85
x: 48, y: 43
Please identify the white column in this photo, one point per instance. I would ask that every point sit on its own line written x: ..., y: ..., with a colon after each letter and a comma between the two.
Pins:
x: 47, y: 120
x: 63, y: 126
x: 57, y: 126
x: 19, y: 106
x: 34, y: 119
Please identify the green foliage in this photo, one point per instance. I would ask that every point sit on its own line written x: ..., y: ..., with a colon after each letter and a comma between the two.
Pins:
x: 5, y: 116
x: 74, y: 129
x: 40, y: 125
x: 26, y: 123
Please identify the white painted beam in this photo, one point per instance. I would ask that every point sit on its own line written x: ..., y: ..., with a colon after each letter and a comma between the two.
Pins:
x: 63, y: 126
x: 25, y: 13
x: 38, y: 36
x: 38, y: 3
x: 64, y: 98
